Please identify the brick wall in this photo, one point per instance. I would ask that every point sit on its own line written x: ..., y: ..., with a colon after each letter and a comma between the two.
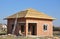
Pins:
x: 40, y: 23
x: 39, y: 30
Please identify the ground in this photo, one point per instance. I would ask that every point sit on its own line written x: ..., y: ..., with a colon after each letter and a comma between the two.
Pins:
x: 2, y: 36
x: 23, y: 37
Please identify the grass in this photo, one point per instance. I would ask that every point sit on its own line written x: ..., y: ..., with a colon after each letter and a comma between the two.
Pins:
x: 3, y: 32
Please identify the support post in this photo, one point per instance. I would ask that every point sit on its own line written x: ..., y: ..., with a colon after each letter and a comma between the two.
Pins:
x: 26, y: 29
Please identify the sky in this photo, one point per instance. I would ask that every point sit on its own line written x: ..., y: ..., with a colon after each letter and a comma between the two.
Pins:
x: 49, y: 7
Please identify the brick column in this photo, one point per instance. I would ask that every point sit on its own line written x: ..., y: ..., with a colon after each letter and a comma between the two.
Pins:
x: 26, y: 29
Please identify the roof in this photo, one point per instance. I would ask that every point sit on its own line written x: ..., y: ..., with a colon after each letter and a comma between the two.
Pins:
x: 0, y: 25
x: 30, y: 13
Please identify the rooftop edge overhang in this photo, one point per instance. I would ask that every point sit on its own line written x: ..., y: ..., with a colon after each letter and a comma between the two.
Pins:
x: 32, y: 18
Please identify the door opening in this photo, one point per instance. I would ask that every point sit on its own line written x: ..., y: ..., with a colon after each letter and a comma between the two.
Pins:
x: 22, y: 28
x: 12, y: 28
x: 33, y: 30
x: 32, y: 27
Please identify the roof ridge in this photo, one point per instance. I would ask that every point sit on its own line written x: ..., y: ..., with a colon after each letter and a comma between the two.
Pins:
x: 26, y: 13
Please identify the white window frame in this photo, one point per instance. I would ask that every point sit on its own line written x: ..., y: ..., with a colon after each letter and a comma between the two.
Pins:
x: 46, y: 27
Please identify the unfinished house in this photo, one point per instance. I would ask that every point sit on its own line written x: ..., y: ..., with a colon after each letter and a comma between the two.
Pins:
x: 30, y: 22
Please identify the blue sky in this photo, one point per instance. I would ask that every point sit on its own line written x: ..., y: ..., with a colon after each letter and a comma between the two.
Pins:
x: 49, y: 7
